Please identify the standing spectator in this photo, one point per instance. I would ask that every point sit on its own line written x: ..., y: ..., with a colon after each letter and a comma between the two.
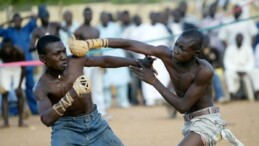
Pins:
x: 211, y: 20
x: 246, y: 28
x: 12, y: 76
x: 71, y: 26
x: 20, y: 36
x: 177, y: 25
x: 46, y: 28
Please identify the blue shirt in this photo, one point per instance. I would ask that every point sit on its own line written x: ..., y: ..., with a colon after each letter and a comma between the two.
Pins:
x: 20, y: 37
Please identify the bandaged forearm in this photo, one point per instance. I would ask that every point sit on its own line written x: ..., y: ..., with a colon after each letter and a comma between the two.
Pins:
x: 97, y: 43
x: 65, y: 102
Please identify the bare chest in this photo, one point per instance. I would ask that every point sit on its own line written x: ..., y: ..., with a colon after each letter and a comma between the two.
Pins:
x: 181, y: 78
x: 88, y: 33
x: 57, y: 88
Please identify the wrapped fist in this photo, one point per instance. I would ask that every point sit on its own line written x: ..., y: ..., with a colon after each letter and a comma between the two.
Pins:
x: 82, y: 85
x: 78, y: 47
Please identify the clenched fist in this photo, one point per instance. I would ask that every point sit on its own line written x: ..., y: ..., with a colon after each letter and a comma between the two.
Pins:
x: 78, y: 47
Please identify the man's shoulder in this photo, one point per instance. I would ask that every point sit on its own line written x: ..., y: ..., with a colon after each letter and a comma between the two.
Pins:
x: 205, y: 66
x: 41, y: 82
x: 39, y: 87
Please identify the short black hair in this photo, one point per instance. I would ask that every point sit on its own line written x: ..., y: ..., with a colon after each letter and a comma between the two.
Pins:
x: 196, y: 38
x: 44, y: 41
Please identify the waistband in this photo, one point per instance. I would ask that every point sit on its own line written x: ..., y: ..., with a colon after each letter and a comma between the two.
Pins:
x: 93, y: 115
x: 205, y: 111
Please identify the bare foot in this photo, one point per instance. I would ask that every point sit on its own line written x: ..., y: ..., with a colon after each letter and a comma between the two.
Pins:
x: 5, y: 126
x: 22, y: 125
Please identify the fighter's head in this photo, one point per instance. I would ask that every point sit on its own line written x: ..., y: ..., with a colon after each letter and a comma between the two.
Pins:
x: 52, y: 52
x: 188, y: 45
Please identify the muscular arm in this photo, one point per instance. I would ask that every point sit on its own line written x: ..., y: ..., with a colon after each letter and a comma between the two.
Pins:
x: 109, y: 61
x: 139, y: 47
x: 192, y: 95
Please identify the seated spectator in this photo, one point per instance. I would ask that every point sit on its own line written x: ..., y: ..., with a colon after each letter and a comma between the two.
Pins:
x: 239, y: 61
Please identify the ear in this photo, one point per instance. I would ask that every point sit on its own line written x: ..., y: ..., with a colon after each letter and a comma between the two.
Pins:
x: 42, y: 58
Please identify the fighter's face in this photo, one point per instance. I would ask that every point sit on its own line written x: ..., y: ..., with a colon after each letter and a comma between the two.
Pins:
x: 183, y: 51
x: 55, y: 57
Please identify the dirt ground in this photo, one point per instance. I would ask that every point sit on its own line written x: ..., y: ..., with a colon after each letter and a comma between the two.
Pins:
x: 145, y: 126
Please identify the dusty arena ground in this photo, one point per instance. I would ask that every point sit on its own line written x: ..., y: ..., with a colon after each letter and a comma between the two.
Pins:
x: 145, y: 126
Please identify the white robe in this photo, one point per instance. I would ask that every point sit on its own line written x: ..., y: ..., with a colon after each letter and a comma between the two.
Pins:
x: 240, y: 60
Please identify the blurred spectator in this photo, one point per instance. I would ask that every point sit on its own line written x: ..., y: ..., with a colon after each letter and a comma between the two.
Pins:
x: 210, y: 21
x: 246, y: 28
x: 70, y: 26
x: 245, y: 4
x: 46, y: 28
x: 155, y: 34
x: 239, y: 62
x: 120, y: 77
x: 92, y: 32
x: 20, y: 36
x: 12, y: 77
x: 189, y: 21
x: 177, y: 24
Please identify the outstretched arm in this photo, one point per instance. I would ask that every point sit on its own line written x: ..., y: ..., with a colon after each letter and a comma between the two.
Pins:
x: 109, y: 61
x: 80, y: 48
x: 136, y: 46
